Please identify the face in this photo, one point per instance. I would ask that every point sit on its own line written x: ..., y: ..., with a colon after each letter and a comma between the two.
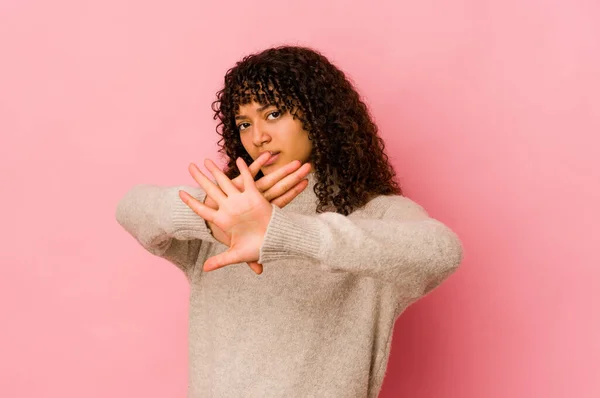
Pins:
x: 265, y: 128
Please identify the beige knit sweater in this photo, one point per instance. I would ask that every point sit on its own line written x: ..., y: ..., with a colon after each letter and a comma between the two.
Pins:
x: 318, y: 321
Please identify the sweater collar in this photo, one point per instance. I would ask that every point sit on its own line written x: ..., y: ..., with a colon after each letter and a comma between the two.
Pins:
x: 306, y: 201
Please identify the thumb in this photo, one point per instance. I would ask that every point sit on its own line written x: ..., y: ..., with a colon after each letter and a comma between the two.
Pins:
x: 256, y: 267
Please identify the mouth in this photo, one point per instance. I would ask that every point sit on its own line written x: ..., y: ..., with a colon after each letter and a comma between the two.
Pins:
x: 273, y: 158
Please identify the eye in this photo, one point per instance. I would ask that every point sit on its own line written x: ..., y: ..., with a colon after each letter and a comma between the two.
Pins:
x: 276, y: 114
x: 240, y: 128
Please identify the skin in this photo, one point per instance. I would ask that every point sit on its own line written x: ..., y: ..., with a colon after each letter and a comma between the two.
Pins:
x: 243, y: 214
x: 262, y: 128
x: 268, y: 129
x: 279, y: 188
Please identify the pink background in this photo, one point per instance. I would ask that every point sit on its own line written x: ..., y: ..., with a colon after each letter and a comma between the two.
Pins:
x: 490, y: 112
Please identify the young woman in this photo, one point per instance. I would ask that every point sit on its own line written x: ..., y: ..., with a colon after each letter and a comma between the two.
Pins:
x: 337, y: 251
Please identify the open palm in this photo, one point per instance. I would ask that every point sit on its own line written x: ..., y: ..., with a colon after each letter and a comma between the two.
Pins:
x: 243, y: 214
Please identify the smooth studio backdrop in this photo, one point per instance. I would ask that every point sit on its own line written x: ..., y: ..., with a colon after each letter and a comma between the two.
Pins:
x: 490, y: 114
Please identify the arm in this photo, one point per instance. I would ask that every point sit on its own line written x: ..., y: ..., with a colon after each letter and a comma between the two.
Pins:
x: 405, y: 247
x: 163, y: 224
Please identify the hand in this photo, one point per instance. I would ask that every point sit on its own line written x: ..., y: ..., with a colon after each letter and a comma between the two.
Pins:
x: 279, y: 187
x: 274, y: 187
x: 243, y: 214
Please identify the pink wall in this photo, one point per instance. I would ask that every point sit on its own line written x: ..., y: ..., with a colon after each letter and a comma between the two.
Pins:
x: 490, y: 111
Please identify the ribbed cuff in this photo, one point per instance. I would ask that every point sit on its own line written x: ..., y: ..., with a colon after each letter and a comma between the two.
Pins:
x: 186, y: 223
x: 290, y: 235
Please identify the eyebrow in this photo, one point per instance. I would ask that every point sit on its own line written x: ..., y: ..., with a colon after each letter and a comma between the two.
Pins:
x: 262, y: 108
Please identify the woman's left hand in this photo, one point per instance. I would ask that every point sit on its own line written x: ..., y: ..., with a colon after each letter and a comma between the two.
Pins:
x: 245, y: 214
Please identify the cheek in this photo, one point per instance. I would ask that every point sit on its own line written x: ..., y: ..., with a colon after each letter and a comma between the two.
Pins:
x: 307, y: 143
x: 244, y: 140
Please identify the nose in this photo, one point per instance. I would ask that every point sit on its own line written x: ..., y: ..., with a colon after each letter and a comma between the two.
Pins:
x: 260, y: 136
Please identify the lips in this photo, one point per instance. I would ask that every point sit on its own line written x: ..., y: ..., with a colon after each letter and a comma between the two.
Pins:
x: 273, y: 158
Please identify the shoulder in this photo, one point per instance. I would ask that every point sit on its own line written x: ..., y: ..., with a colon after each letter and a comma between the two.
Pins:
x: 395, y: 207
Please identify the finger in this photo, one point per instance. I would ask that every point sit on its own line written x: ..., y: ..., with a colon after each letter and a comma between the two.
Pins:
x: 209, y: 187
x: 271, y: 179
x: 287, y: 197
x: 255, y: 167
x: 223, y: 181
x: 246, y: 176
x: 256, y: 267
x: 199, y: 208
x: 258, y: 163
x: 224, y: 259
x: 287, y: 183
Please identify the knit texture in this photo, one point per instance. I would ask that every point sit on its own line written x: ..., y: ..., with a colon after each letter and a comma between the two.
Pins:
x: 318, y: 322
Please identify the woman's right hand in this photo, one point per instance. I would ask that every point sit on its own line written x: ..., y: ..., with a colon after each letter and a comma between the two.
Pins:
x: 279, y: 188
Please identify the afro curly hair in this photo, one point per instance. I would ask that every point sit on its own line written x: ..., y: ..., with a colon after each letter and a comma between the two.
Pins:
x: 347, y: 152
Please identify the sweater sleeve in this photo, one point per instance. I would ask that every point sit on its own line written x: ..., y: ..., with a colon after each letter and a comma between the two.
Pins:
x: 404, y: 247
x: 163, y: 224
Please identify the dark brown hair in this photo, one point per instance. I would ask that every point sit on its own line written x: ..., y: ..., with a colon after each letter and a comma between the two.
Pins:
x: 347, y: 152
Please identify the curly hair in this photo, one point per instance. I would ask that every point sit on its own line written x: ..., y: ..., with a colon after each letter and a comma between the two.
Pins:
x: 347, y: 152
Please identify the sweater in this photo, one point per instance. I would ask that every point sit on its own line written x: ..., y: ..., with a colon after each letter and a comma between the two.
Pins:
x: 318, y: 321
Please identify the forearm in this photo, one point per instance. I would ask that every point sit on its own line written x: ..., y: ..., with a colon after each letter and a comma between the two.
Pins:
x: 405, y: 247
x: 155, y: 215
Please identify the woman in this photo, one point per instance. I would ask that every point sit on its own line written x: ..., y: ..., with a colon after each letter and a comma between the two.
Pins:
x: 337, y: 252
